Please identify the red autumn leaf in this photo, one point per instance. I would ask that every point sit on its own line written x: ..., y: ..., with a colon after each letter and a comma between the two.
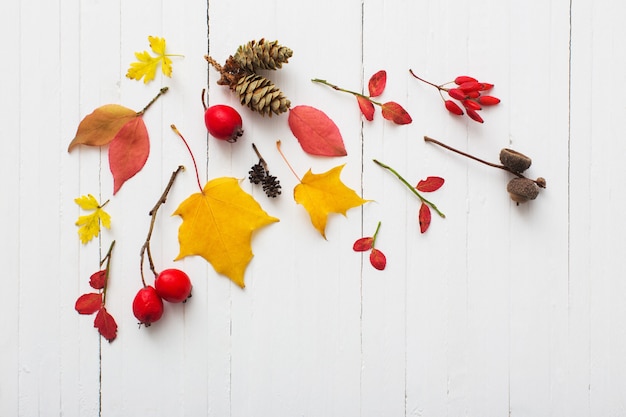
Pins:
x: 89, y: 303
x: 366, y: 106
x: 377, y: 83
x: 363, y: 244
x: 128, y: 152
x: 106, y: 325
x: 430, y: 184
x: 98, y: 279
x: 396, y: 113
x: 377, y: 259
x: 316, y: 132
x: 424, y: 217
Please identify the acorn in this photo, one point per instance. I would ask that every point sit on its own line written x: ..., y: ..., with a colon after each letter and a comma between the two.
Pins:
x: 515, y: 161
x: 522, y: 190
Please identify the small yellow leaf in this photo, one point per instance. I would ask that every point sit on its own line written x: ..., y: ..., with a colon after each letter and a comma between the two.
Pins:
x: 322, y: 194
x: 89, y: 225
x: 218, y: 225
x: 146, y: 65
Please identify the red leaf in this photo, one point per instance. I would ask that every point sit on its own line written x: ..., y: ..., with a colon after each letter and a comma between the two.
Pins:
x: 377, y: 83
x: 363, y: 244
x: 128, y: 152
x: 316, y: 132
x: 97, y: 279
x: 367, y: 107
x: 424, y: 217
x: 396, y: 113
x: 106, y: 325
x: 89, y: 303
x: 430, y: 184
x: 377, y: 259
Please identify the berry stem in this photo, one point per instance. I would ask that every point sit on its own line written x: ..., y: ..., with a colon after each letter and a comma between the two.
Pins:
x: 107, y: 259
x: 261, y: 160
x: 286, y: 161
x: 450, y: 148
x: 413, y: 189
x: 354, y: 93
x: 145, y: 248
x: 438, y: 87
x: 375, y: 234
x: 161, y: 92
x: 195, y: 166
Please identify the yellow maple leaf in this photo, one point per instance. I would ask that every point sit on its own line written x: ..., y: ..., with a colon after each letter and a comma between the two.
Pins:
x: 322, y: 194
x: 147, y: 65
x: 218, y: 225
x: 89, y: 225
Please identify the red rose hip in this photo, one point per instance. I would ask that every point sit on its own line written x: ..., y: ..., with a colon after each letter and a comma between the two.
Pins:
x: 147, y: 306
x: 223, y: 122
x: 173, y: 285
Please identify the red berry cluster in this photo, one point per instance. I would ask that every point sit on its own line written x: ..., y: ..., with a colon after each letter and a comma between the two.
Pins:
x: 172, y: 285
x: 469, y: 92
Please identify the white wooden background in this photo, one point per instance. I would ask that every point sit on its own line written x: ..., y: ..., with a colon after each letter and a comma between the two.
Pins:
x: 497, y: 310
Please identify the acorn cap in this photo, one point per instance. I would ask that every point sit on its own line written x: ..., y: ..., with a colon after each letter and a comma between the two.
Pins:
x: 522, y: 189
x: 515, y: 161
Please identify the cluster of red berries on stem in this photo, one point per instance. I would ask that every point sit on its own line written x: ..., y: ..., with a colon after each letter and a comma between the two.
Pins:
x: 172, y: 285
x: 469, y: 92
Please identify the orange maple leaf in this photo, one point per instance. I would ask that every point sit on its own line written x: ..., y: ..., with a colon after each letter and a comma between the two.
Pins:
x: 218, y: 225
x: 322, y: 194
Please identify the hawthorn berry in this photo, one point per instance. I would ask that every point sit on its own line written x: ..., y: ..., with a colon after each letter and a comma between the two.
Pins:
x: 173, y: 285
x: 147, y: 306
x: 223, y: 122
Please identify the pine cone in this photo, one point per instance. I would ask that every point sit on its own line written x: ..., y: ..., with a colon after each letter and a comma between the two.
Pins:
x: 261, y: 95
x: 262, y: 55
x: 271, y: 185
x: 257, y: 174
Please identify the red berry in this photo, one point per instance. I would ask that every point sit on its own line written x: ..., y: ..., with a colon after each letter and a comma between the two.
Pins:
x: 453, y: 108
x: 471, y: 104
x: 464, y: 79
x: 173, y: 285
x: 470, y: 86
x: 147, y: 306
x: 223, y: 122
x: 488, y: 100
x: 473, y: 114
x: 485, y: 86
x: 457, y: 94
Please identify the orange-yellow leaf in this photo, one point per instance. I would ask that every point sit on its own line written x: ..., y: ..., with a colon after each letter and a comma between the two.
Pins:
x: 218, y: 225
x: 322, y: 194
x: 128, y: 152
x: 100, y: 127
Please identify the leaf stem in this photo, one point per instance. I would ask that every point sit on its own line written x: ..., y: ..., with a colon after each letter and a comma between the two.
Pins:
x: 354, y: 93
x: 161, y: 92
x: 107, y: 259
x: 145, y: 248
x: 413, y: 189
x: 278, y: 143
x: 375, y: 234
x: 195, y: 166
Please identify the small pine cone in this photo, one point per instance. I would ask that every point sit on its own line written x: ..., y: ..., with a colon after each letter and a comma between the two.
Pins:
x: 271, y: 186
x: 262, y: 55
x: 261, y: 95
x: 257, y: 173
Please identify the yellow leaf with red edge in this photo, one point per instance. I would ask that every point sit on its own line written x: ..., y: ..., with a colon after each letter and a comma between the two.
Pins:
x: 146, y: 65
x: 323, y: 194
x: 100, y: 127
x: 218, y: 225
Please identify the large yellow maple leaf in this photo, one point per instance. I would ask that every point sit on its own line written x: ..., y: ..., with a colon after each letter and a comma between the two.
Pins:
x: 322, y: 194
x: 218, y: 225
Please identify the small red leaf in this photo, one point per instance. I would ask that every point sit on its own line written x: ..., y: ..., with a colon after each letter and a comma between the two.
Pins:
x: 97, y: 279
x: 128, y: 152
x: 89, y: 303
x: 363, y: 244
x: 424, y: 217
x: 377, y: 83
x: 106, y: 325
x: 316, y: 132
x: 430, y: 184
x: 377, y: 259
x: 396, y: 113
x: 366, y: 106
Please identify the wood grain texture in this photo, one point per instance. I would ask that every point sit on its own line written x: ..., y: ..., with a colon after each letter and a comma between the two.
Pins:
x: 497, y: 310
